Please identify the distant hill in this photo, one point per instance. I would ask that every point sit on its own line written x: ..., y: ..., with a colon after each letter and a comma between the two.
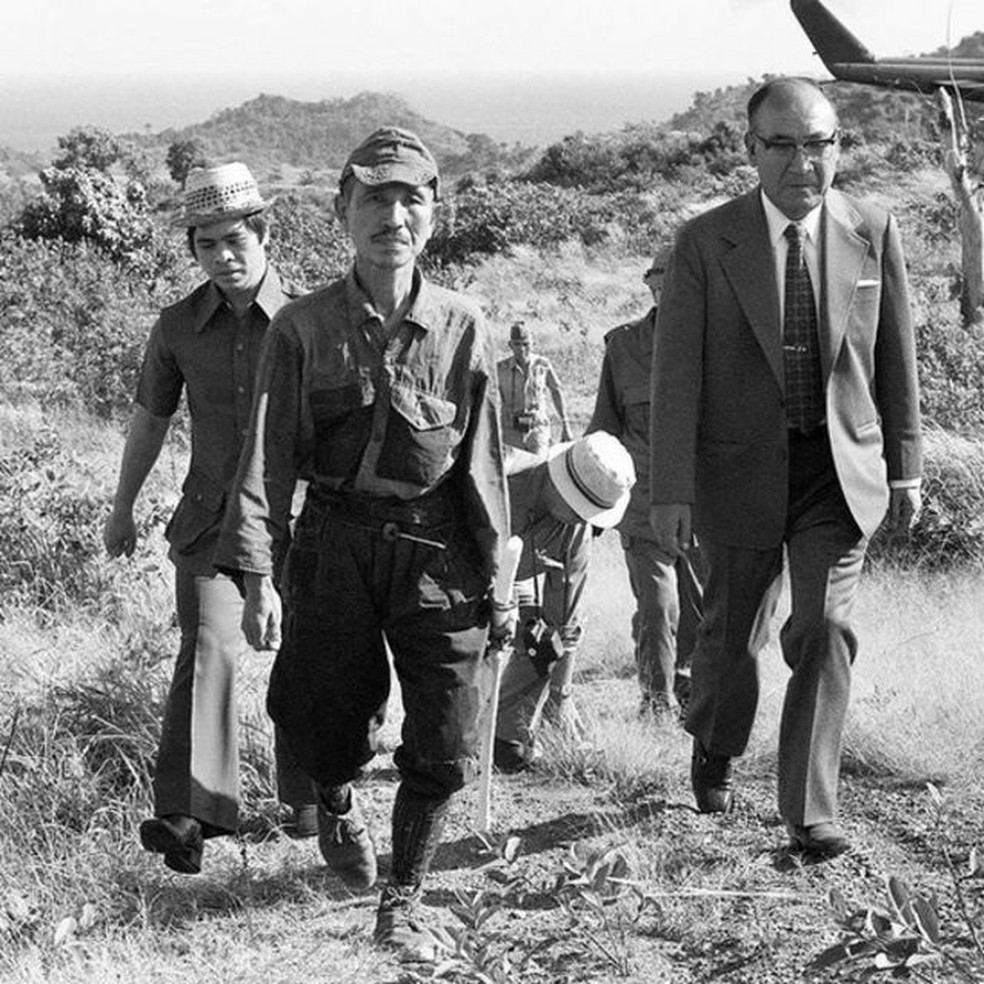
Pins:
x: 16, y: 164
x: 971, y: 46
x: 273, y: 130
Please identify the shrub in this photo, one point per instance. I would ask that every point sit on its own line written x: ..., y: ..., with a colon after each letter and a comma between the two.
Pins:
x: 52, y: 509
x: 73, y: 323
x: 309, y: 245
x: 950, y: 532
x: 951, y: 360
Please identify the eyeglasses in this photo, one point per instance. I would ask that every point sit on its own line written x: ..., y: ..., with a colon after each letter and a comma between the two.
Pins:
x: 815, y: 148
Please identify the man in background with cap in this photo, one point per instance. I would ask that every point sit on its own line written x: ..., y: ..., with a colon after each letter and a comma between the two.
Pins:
x: 380, y: 391
x: 555, y: 501
x: 206, y: 345
x: 667, y: 589
x: 525, y: 382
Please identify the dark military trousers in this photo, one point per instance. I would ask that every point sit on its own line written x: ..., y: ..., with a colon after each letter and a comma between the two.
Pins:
x: 358, y: 579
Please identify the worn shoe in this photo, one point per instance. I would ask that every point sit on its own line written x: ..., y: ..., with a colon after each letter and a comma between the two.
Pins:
x: 712, y: 779
x: 821, y: 840
x: 304, y: 822
x: 346, y: 846
x: 178, y: 838
x: 400, y: 926
x: 511, y: 756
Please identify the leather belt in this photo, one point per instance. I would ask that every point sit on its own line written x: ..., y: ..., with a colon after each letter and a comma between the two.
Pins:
x: 435, y: 509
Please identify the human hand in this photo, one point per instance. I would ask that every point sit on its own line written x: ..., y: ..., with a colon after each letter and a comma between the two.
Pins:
x: 904, y: 506
x: 671, y: 524
x: 120, y: 534
x: 262, y: 613
x: 503, y: 623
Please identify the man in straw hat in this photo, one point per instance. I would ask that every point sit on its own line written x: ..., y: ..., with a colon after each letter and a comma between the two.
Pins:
x: 207, y: 345
x: 379, y: 389
x: 555, y: 501
x: 667, y: 589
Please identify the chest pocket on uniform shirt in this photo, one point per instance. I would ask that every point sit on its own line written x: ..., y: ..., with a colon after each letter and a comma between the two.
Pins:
x: 342, y: 424
x: 421, y: 436
x: 637, y: 409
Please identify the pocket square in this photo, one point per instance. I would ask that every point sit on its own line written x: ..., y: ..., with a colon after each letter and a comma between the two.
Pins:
x: 868, y: 283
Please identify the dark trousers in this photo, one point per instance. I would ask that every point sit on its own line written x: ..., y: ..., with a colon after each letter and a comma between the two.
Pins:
x: 348, y: 592
x: 669, y: 608
x: 825, y: 552
x: 197, y: 771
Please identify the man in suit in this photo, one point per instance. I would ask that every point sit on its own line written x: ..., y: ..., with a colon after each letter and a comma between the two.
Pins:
x: 786, y: 396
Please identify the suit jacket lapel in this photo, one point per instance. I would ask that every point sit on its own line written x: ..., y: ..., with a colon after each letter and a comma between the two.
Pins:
x: 750, y: 269
x: 841, y: 261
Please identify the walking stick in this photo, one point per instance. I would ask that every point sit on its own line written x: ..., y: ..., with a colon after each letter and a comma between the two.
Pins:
x: 499, y: 652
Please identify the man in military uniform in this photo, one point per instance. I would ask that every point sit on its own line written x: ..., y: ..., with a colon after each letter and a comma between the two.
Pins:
x: 380, y: 391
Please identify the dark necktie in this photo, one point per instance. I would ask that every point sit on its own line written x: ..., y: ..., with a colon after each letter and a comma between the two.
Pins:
x: 804, y: 385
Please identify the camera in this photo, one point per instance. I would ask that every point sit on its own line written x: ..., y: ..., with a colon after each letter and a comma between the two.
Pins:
x: 542, y: 644
x: 523, y: 422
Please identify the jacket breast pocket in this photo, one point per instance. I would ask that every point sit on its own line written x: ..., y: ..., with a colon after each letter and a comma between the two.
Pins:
x: 421, y: 436
x: 198, y: 515
x: 342, y: 421
x: 637, y: 409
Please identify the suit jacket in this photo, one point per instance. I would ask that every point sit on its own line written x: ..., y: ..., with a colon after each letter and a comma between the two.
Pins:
x: 722, y: 440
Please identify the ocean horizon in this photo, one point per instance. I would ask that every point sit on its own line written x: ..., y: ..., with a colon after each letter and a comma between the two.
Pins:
x: 530, y: 110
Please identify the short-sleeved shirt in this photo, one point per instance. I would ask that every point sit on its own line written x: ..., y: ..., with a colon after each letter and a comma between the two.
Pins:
x: 622, y: 408
x: 525, y: 392
x: 358, y: 417
x: 199, y: 347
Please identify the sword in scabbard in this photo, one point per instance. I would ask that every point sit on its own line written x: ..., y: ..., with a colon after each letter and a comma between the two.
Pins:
x: 499, y: 652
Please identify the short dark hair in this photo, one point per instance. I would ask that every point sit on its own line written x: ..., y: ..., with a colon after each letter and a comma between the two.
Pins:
x: 257, y: 223
x: 777, y: 86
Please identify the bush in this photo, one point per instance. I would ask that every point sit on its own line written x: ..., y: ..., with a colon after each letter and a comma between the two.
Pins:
x: 308, y: 244
x: 949, y: 534
x: 51, y: 514
x: 487, y: 220
x: 951, y: 360
x: 639, y: 157
x: 73, y: 323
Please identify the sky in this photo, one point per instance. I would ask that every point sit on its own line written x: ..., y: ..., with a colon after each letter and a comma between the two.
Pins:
x: 311, y: 49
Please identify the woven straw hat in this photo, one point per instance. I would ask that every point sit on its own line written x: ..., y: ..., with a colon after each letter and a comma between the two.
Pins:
x: 594, y: 475
x: 216, y: 194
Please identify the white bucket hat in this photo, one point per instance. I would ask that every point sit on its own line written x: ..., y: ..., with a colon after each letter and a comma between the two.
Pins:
x: 594, y: 476
x: 216, y: 194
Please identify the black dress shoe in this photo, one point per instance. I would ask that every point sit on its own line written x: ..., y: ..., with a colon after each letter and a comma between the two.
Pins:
x: 178, y: 838
x: 820, y: 840
x: 712, y: 779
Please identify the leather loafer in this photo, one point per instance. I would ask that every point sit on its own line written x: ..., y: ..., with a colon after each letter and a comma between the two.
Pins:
x: 712, y: 779
x: 820, y: 840
x: 178, y: 838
